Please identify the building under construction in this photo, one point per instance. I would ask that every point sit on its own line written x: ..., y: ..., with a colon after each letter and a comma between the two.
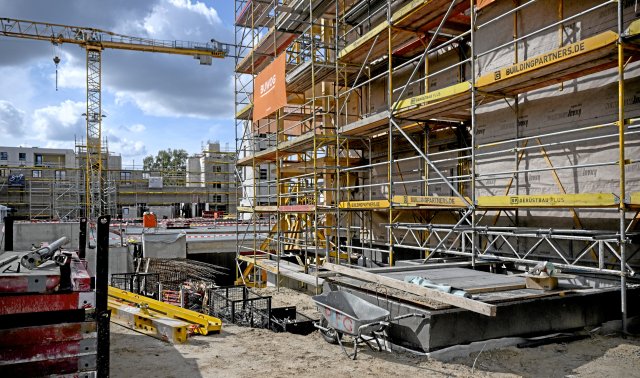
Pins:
x: 395, y: 135
x: 442, y: 175
x: 49, y: 184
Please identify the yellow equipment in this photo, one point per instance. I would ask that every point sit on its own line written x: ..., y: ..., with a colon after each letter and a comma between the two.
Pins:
x: 94, y: 41
x: 203, y: 324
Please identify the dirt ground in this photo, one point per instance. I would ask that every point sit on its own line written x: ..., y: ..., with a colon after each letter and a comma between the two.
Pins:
x: 241, y: 352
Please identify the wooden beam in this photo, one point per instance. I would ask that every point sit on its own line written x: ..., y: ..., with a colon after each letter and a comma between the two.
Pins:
x: 436, y: 295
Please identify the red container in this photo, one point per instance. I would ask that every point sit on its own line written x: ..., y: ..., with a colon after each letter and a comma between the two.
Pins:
x: 149, y: 220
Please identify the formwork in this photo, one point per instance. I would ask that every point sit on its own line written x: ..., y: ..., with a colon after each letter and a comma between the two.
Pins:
x: 483, y: 130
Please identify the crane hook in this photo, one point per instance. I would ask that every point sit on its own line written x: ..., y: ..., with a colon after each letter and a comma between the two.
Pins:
x: 56, y: 60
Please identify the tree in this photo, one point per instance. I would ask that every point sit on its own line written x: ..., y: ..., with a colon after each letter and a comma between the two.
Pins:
x: 166, y: 160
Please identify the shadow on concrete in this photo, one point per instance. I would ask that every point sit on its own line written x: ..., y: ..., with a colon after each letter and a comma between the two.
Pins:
x: 136, y: 355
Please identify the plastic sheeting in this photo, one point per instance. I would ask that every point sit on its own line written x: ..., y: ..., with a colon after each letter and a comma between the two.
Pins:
x: 165, y: 245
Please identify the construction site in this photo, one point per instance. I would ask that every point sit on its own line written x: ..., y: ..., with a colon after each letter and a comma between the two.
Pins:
x: 417, y: 187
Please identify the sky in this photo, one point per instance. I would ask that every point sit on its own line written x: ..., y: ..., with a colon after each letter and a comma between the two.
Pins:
x: 151, y: 101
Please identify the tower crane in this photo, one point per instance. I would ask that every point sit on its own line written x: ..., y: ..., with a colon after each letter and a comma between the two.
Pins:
x: 94, y: 41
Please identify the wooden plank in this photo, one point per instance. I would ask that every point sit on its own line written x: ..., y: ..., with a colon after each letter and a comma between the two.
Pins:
x: 494, y: 288
x: 587, y: 200
x: 634, y: 200
x: 296, y: 208
x: 450, y: 299
x: 288, y: 270
x: 266, y: 209
x: 420, y: 267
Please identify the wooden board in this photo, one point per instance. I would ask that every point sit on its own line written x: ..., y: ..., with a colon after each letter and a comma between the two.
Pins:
x: 450, y: 299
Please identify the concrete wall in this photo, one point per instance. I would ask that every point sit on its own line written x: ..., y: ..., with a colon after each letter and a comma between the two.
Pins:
x: 26, y: 234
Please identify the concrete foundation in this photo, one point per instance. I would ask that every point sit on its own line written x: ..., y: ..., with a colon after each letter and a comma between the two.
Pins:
x: 523, y: 317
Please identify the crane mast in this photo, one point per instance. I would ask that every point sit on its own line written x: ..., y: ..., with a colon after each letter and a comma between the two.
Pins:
x: 94, y: 41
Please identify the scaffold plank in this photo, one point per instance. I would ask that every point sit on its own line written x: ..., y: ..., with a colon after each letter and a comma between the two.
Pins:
x: 265, y: 209
x: 634, y: 200
x: 254, y: 14
x: 431, y: 201
x: 434, y: 96
x: 245, y: 113
x: 367, y: 125
x: 260, y: 56
x: 286, y: 269
x: 588, y: 55
x: 296, y: 208
x: 586, y: 200
x: 415, y: 16
x: 364, y: 205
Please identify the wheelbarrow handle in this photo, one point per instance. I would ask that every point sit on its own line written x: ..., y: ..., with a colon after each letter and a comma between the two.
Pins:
x: 318, y: 326
x: 409, y: 316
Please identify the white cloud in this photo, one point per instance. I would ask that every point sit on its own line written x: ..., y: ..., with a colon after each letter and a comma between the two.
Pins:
x: 11, y: 119
x: 137, y: 128
x: 198, y: 7
x: 60, y: 122
x: 59, y: 144
x: 128, y: 148
x: 179, y: 19
x: 16, y: 85
x: 72, y: 73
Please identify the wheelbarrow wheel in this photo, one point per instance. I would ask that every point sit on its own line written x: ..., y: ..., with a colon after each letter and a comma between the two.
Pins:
x: 331, y: 336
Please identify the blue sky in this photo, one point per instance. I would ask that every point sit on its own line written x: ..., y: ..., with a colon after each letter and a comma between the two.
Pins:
x: 151, y: 101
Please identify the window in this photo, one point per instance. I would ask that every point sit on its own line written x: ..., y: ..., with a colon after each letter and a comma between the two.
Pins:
x: 4, y: 172
x: 36, y: 173
x: 22, y: 156
x: 145, y: 175
x: 38, y: 159
x: 4, y: 155
x: 61, y: 175
x: 216, y: 198
x: 125, y: 178
x: 217, y: 185
x: 217, y: 168
x: 263, y: 173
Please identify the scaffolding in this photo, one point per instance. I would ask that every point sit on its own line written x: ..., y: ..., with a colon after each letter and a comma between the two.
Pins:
x: 52, y: 187
x: 430, y: 128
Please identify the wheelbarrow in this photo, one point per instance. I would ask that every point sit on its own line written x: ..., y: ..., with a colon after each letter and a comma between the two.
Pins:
x: 345, y: 313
